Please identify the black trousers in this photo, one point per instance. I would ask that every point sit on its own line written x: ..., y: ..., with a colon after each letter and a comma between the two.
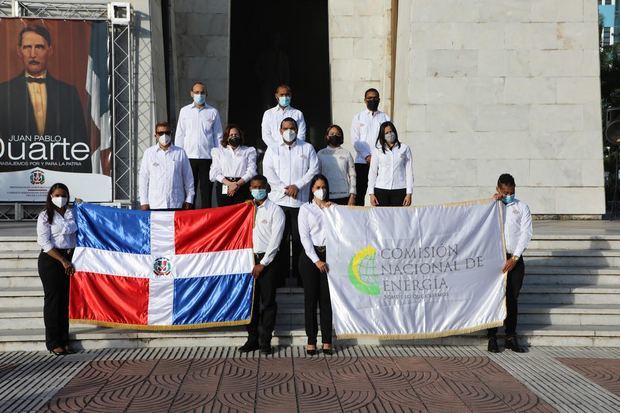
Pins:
x: 341, y: 201
x: 55, y: 301
x: 513, y: 287
x: 264, y: 307
x: 361, y: 182
x: 288, y: 262
x: 200, y: 170
x: 242, y: 194
x: 316, y: 290
x: 390, y: 197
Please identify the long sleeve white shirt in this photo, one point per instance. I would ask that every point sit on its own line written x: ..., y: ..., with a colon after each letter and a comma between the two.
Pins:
x: 517, y: 227
x: 311, y: 224
x: 198, y: 130
x: 391, y: 170
x: 284, y: 165
x: 232, y: 163
x: 338, y: 166
x: 268, y: 230
x: 165, y: 178
x: 364, y: 132
x: 272, y: 118
x: 61, y: 233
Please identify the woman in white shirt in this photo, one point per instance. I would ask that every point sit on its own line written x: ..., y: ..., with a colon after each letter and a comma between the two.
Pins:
x: 337, y: 164
x: 232, y: 167
x: 56, y: 234
x: 312, y: 265
x: 390, y: 178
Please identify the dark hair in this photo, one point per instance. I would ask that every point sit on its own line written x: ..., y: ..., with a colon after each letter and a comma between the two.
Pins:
x: 198, y: 83
x: 318, y: 177
x: 372, y: 89
x: 40, y: 30
x: 289, y: 119
x: 260, y: 178
x: 162, y: 124
x: 338, y: 128
x: 229, y: 127
x: 49, y: 205
x: 506, y: 179
x: 381, y: 138
x: 285, y: 86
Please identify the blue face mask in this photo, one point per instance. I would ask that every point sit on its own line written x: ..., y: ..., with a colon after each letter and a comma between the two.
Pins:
x: 259, y: 194
x: 284, y: 101
x: 199, y: 99
x: 508, y: 199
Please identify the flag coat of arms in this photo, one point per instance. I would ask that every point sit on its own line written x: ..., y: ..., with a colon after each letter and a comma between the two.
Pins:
x: 163, y: 270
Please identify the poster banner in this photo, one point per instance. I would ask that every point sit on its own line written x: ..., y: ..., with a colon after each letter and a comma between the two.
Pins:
x: 416, y: 272
x: 54, y: 109
x: 154, y: 270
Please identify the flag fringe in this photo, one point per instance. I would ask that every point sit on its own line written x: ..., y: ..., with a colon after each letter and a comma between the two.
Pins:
x: 143, y: 327
x: 416, y: 336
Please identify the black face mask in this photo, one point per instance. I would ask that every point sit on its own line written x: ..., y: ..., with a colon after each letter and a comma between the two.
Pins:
x: 372, y: 105
x: 234, y: 140
x: 335, y: 140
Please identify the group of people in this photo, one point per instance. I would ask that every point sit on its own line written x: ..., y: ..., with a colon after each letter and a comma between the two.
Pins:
x: 296, y: 185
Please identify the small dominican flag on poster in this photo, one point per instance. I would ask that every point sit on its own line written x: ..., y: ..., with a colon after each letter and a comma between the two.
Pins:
x: 163, y: 270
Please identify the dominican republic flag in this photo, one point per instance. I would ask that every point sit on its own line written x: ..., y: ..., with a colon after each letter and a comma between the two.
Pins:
x: 163, y: 270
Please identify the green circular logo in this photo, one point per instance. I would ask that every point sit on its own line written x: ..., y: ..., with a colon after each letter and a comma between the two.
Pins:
x: 362, y: 271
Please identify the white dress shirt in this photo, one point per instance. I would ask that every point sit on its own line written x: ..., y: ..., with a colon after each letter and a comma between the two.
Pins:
x: 165, y: 178
x: 272, y: 118
x: 198, y: 130
x: 364, y: 132
x: 60, y: 234
x: 517, y: 227
x: 268, y: 230
x: 338, y: 167
x: 232, y: 163
x: 311, y: 224
x: 284, y: 165
x: 391, y: 170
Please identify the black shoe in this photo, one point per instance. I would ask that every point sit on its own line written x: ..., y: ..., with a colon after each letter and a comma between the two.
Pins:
x: 328, y: 351
x: 513, y: 344
x: 265, y: 348
x: 493, y: 347
x: 311, y: 351
x: 61, y: 352
x: 249, y: 346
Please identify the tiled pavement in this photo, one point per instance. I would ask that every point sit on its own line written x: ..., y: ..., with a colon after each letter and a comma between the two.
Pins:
x: 355, y: 379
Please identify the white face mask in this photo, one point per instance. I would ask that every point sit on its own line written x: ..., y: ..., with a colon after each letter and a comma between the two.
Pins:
x: 289, y: 135
x: 164, y: 140
x: 390, y: 137
x: 60, y: 201
x: 320, y: 194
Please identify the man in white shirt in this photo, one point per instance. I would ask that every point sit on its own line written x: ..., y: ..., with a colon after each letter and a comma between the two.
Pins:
x: 517, y: 233
x: 199, y: 129
x: 364, y: 132
x: 266, y: 238
x: 289, y: 168
x: 165, y: 179
x: 272, y: 118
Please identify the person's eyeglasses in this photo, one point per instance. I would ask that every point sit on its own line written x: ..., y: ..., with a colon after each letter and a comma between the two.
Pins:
x: 334, y: 136
x: 162, y: 132
x: 199, y: 93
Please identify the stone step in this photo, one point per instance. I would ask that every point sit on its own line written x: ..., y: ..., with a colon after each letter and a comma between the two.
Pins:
x: 89, y: 337
x: 19, y: 259
x: 19, y: 277
x: 577, y: 258
x: 20, y: 245
x: 570, y: 294
x: 576, y: 242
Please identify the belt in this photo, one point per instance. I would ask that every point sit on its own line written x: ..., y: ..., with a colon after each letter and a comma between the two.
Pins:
x: 258, y: 256
x: 319, y: 248
x: 233, y: 179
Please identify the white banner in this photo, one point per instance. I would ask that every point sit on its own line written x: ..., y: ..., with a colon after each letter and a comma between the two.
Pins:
x: 416, y: 272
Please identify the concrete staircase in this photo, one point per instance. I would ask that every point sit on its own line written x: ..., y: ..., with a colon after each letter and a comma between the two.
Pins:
x: 571, y: 297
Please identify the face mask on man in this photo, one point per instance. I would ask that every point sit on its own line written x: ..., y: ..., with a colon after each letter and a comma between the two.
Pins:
x: 164, y: 140
x: 284, y: 101
x: 234, y: 140
x: 289, y: 135
x: 259, y: 193
x: 320, y: 193
x: 372, y: 105
x: 390, y: 137
x: 60, y: 201
x: 508, y: 199
x: 199, y: 99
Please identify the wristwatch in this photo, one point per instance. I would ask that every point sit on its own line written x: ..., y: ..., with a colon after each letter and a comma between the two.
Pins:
x: 515, y: 258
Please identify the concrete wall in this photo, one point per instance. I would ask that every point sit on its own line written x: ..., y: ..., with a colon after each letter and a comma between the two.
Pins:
x: 202, y: 48
x: 491, y: 86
